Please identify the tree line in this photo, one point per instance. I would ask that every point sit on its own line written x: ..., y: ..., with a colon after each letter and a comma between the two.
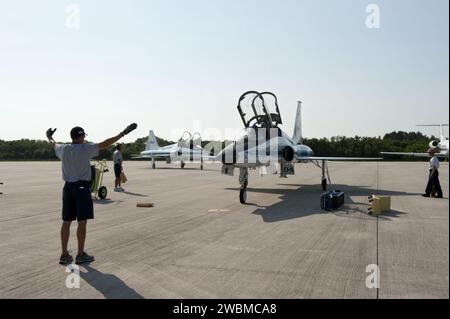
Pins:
x: 36, y: 150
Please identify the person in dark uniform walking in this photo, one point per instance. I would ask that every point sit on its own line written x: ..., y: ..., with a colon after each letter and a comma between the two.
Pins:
x: 76, y: 172
x: 433, y: 178
x: 117, y: 159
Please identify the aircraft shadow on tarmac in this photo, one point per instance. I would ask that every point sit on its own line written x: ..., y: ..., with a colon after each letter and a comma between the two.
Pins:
x: 109, y: 285
x: 305, y: 200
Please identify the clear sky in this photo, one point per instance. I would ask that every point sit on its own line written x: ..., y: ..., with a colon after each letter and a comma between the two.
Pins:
x: 174, y: 65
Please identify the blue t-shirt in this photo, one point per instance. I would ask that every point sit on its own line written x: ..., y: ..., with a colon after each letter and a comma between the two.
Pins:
x: 76, y: 160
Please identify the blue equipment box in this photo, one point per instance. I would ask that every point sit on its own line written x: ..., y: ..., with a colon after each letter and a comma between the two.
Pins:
x: 332, y: 200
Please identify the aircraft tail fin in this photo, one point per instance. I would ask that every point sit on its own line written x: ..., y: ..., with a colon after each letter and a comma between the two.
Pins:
x: 441, y: 129
x: 152, y: 143
x: 297, y: 138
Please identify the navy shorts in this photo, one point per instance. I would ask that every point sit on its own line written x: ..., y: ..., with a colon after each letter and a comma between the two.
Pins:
x: 117, y: 169
x: 77, y: 202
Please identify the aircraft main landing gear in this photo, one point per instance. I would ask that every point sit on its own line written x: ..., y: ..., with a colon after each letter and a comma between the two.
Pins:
x: 243, y: 180
x: 182, y: 164
x: 325, y: 181
x: 324, y: 184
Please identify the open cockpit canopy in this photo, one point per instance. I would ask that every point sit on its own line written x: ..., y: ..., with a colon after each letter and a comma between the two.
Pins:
x: 259, y: 110
x: 189, y: 140
x: 185, y: 139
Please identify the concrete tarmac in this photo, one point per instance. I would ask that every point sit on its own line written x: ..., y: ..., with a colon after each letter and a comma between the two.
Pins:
x: 198, y: 241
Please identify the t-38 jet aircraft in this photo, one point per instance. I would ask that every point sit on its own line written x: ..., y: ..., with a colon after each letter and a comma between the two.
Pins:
x: 187, y: 149
x: 441, y: 146
x: 264, y: 145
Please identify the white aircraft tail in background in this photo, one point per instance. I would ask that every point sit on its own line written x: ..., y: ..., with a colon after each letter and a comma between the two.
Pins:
x: 443, y: 141
x: 152, y: 143
x: 442, y: 145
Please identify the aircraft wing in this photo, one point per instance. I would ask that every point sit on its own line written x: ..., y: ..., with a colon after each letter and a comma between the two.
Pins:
x: 413, y: 154
x: 153, y: 154
x: 163, y: 154
x: 336, y: 159
x: 210, y: 158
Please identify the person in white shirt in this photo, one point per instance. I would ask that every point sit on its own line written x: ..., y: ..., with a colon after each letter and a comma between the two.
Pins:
x: 433, y: 179
x: 76, y: 172
x: 117, y: 159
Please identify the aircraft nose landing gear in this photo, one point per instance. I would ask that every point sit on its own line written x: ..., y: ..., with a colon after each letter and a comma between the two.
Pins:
x: 243, y: 180
x: 242, y: 195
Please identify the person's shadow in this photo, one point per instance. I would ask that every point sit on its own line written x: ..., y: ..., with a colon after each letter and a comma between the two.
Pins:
x: 109, y: 285
x: 134, y: 194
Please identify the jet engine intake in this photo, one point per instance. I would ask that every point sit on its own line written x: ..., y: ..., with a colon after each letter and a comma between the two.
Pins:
x: 434, y: 144
x: 287, y: 153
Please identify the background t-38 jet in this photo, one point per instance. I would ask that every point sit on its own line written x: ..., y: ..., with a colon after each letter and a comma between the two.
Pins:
x: 264, y: 145
x: 441, y: 146
x: 187, y: 149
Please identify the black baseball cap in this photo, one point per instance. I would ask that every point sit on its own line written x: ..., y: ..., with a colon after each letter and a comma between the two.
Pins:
x: 76, y: 132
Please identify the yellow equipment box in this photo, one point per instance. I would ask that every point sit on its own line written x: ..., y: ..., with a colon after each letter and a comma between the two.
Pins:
x: 379, y: 204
